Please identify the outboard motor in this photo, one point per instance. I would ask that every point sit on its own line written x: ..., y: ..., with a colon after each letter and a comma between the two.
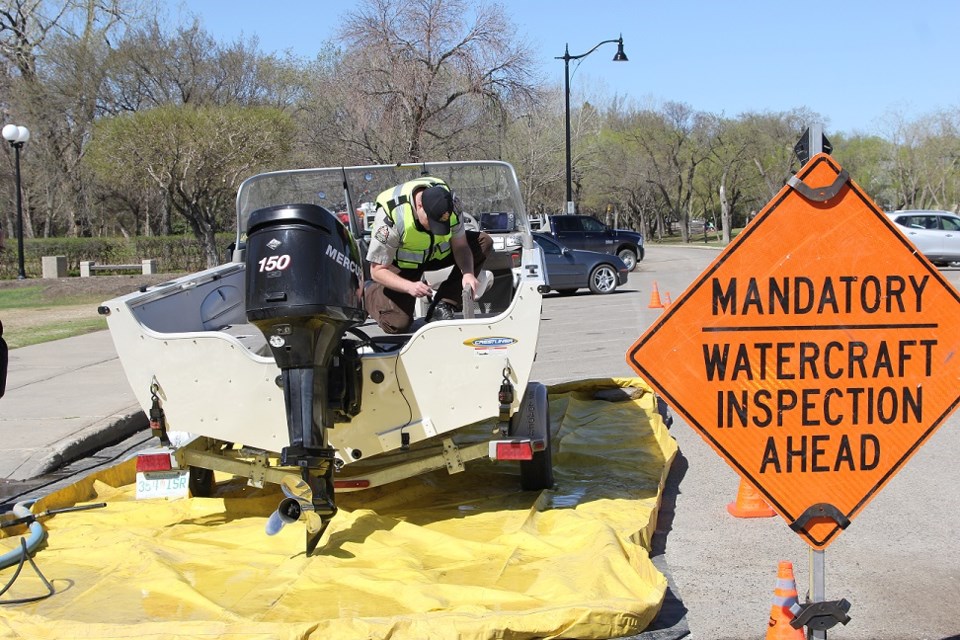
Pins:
x: 304, y: 281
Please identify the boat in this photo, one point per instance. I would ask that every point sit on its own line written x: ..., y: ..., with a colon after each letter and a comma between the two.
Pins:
x: 268, y: 368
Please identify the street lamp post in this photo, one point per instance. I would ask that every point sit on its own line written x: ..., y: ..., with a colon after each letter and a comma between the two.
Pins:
x: 566, y: 57
x: 17, y: 136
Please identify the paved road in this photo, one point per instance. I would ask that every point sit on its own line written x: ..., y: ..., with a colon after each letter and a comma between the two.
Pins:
x: 897, y: 563
x: 587, y: 336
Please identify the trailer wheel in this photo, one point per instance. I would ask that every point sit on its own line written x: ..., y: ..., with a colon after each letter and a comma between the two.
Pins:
x: 533, y: 421
x: 537, y: 474
x: 201, y: 482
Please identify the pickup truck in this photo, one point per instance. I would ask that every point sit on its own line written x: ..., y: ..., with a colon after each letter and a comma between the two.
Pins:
x: 586, y: 232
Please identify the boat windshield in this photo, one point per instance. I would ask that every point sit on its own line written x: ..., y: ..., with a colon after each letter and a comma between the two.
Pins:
x: 479, y: 187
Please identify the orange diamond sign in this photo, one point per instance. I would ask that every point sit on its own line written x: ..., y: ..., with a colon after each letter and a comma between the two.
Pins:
x: 816, y: 354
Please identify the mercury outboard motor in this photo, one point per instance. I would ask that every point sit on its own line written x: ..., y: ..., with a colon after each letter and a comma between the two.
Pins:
x: 304, y: 281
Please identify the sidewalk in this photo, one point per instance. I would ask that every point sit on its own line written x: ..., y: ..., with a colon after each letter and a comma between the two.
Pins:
x: 64, y: 399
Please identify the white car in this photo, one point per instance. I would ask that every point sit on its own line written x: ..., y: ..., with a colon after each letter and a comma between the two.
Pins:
x: 936, y: 234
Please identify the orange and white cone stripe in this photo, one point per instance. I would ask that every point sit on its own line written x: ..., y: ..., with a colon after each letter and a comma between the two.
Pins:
x: 784, y: 597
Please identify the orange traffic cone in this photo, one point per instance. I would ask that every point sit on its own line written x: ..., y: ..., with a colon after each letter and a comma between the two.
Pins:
x: 749, y: 504
x: 666, y: 294
x: 784, y: 596
x: 655, y: 298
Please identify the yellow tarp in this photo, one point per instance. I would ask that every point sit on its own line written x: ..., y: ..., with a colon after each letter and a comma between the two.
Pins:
x: 438, y: 556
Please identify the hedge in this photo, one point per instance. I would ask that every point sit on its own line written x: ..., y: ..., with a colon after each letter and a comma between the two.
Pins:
x: 172, y: 253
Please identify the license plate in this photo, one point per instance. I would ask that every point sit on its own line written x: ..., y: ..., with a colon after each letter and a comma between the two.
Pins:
x: 162, y: 484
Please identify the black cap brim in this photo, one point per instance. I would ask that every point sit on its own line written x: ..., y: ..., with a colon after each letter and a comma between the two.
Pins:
x: 438, y: 227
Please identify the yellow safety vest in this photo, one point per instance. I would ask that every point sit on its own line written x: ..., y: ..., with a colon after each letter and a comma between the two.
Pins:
x: 416, y: 246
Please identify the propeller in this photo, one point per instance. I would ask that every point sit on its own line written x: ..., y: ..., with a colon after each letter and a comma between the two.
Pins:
x: 298, y: 504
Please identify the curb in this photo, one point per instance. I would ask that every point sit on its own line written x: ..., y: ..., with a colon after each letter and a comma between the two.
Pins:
x: 98, y: 435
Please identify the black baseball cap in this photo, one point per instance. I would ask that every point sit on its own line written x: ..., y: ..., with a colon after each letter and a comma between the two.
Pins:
x: 437, y: 202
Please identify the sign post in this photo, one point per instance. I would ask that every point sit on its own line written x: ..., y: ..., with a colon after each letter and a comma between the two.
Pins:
x: 810, y: 144
x: 815, y: 354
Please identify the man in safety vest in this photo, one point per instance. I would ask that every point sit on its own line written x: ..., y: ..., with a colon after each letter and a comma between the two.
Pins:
x: 417, y: 230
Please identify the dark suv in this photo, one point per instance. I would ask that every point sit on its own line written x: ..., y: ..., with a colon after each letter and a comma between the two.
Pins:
x: 586, y: 232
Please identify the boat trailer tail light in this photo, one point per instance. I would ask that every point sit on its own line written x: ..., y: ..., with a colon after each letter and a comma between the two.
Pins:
x: 351, y: 484
x: 511, y: 450
x: 162, y: 461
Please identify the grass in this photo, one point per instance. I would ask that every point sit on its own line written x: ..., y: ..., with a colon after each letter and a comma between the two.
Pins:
x: 30, y: 317
x: 28, y: 297
x: 41, y: 310
x: 26, y: 336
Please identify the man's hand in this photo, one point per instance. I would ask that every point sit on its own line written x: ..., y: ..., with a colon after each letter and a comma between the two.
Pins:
x: 419, y: 289
x: 470, y: 280
x: 389, y: 276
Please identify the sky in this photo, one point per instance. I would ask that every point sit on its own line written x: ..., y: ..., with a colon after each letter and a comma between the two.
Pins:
x: 860, y: 64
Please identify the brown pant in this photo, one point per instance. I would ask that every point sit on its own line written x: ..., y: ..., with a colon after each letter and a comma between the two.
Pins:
x: 393, y: 310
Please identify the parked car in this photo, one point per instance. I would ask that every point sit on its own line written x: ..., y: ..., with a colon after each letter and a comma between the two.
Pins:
x: 571, y: 269
x: 936, y: 234
x: 587, y: 233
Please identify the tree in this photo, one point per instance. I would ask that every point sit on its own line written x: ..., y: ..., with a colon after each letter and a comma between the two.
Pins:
x: 773, y: 137
x: 586, y: 151
x: 624, y: 170
x: 867, y: 159
x: 676, y: 141
x: 532, y: 140
x: 151, y: 67
x: 195, y: 156
x: 56, y: 53
x: 731, y: 175
x: 925, y: 158
x: 419, y: 79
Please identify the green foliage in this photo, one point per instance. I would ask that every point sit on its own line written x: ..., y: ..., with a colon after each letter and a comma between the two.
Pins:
x: 864, y: 157
x: 196, y: 156
x: 173, y: 253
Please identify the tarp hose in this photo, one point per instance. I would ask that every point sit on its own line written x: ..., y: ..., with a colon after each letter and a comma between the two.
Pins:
x: 22, y: 510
